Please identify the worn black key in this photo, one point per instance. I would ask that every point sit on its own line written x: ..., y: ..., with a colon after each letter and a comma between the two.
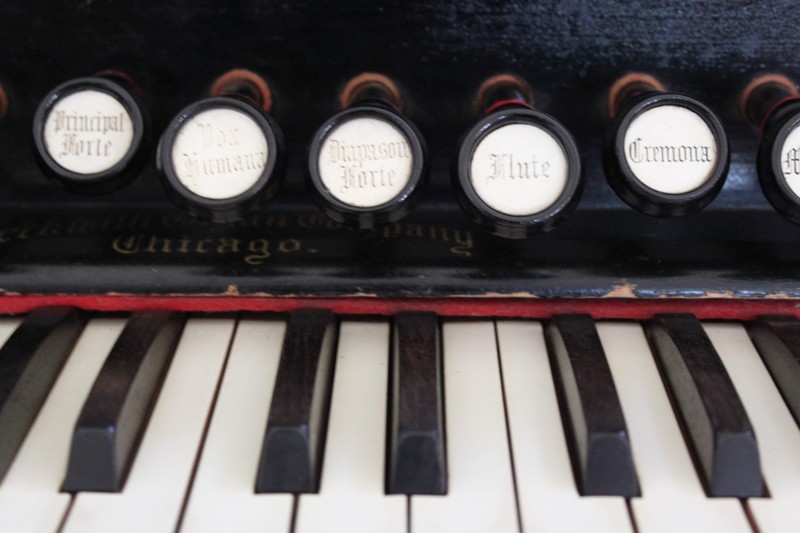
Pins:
x: 595, y: 425
x: 416, y: 456
x: 113, y: 418
x: 715, y: 423
x: 30, y: 361
x: 777, y: 339
x: 291, y: 456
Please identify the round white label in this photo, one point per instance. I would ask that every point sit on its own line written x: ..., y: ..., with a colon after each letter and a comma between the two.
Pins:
x: 790, y: 160
x: 365, y: 162
x: 519, y: 169
x: 88, y: 132
x: 219, y: 153
x: 670, y: 149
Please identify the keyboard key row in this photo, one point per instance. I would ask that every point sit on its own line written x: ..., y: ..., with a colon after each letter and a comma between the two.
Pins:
x: 539, y: 421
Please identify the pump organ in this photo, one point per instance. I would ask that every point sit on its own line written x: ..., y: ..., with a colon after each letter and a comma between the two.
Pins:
x: 460, y: 380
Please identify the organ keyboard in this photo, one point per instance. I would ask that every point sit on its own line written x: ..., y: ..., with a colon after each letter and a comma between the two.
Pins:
x: 510, y: 453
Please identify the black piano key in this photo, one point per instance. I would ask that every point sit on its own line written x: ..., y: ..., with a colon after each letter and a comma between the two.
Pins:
x: 595, y: 423
x: 416, y: 456
x: 715, y: 423
x: 113, y: 418
x: 30, y: 362
x: 291, y: 455
x: 777, y: 339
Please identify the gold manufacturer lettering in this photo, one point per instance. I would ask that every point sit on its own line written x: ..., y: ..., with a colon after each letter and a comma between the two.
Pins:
x: 259, y: 250
x: 462, y: 239
x: 153, y: 245
x: 252, y: 251
x: 288, y: 246
x: 228, y: 245
x: 200, y: 246
x: 127, y: 245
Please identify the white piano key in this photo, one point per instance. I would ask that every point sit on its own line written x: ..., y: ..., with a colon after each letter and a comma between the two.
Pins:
x: 776, y: 431
x: 351, y: 496
x: 30, y: 500
x: 7, y: 327
x: 548, y: 497
x: 223, y: 497
x: 672, y: 496
x: 156, y: 486
x: 480, y: 494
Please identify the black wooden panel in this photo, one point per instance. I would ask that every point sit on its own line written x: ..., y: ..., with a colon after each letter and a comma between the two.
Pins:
x: 569, y: 51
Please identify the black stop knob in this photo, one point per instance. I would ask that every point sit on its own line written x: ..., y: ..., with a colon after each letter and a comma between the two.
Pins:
x: 368, y: 163
x: 221, y: 158
x: 773, y: 104
x: 665, y: 154
x: 778, y: 161
x: 90, y: 134
x: 519, y: 170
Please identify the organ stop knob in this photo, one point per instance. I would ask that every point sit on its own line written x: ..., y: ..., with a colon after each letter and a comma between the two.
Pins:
x: 519, y: 170
x: 367, y: 163
x: 223, y: 157
x: 772, y: 102
x: 665, y: 154
x: 89, y: 133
